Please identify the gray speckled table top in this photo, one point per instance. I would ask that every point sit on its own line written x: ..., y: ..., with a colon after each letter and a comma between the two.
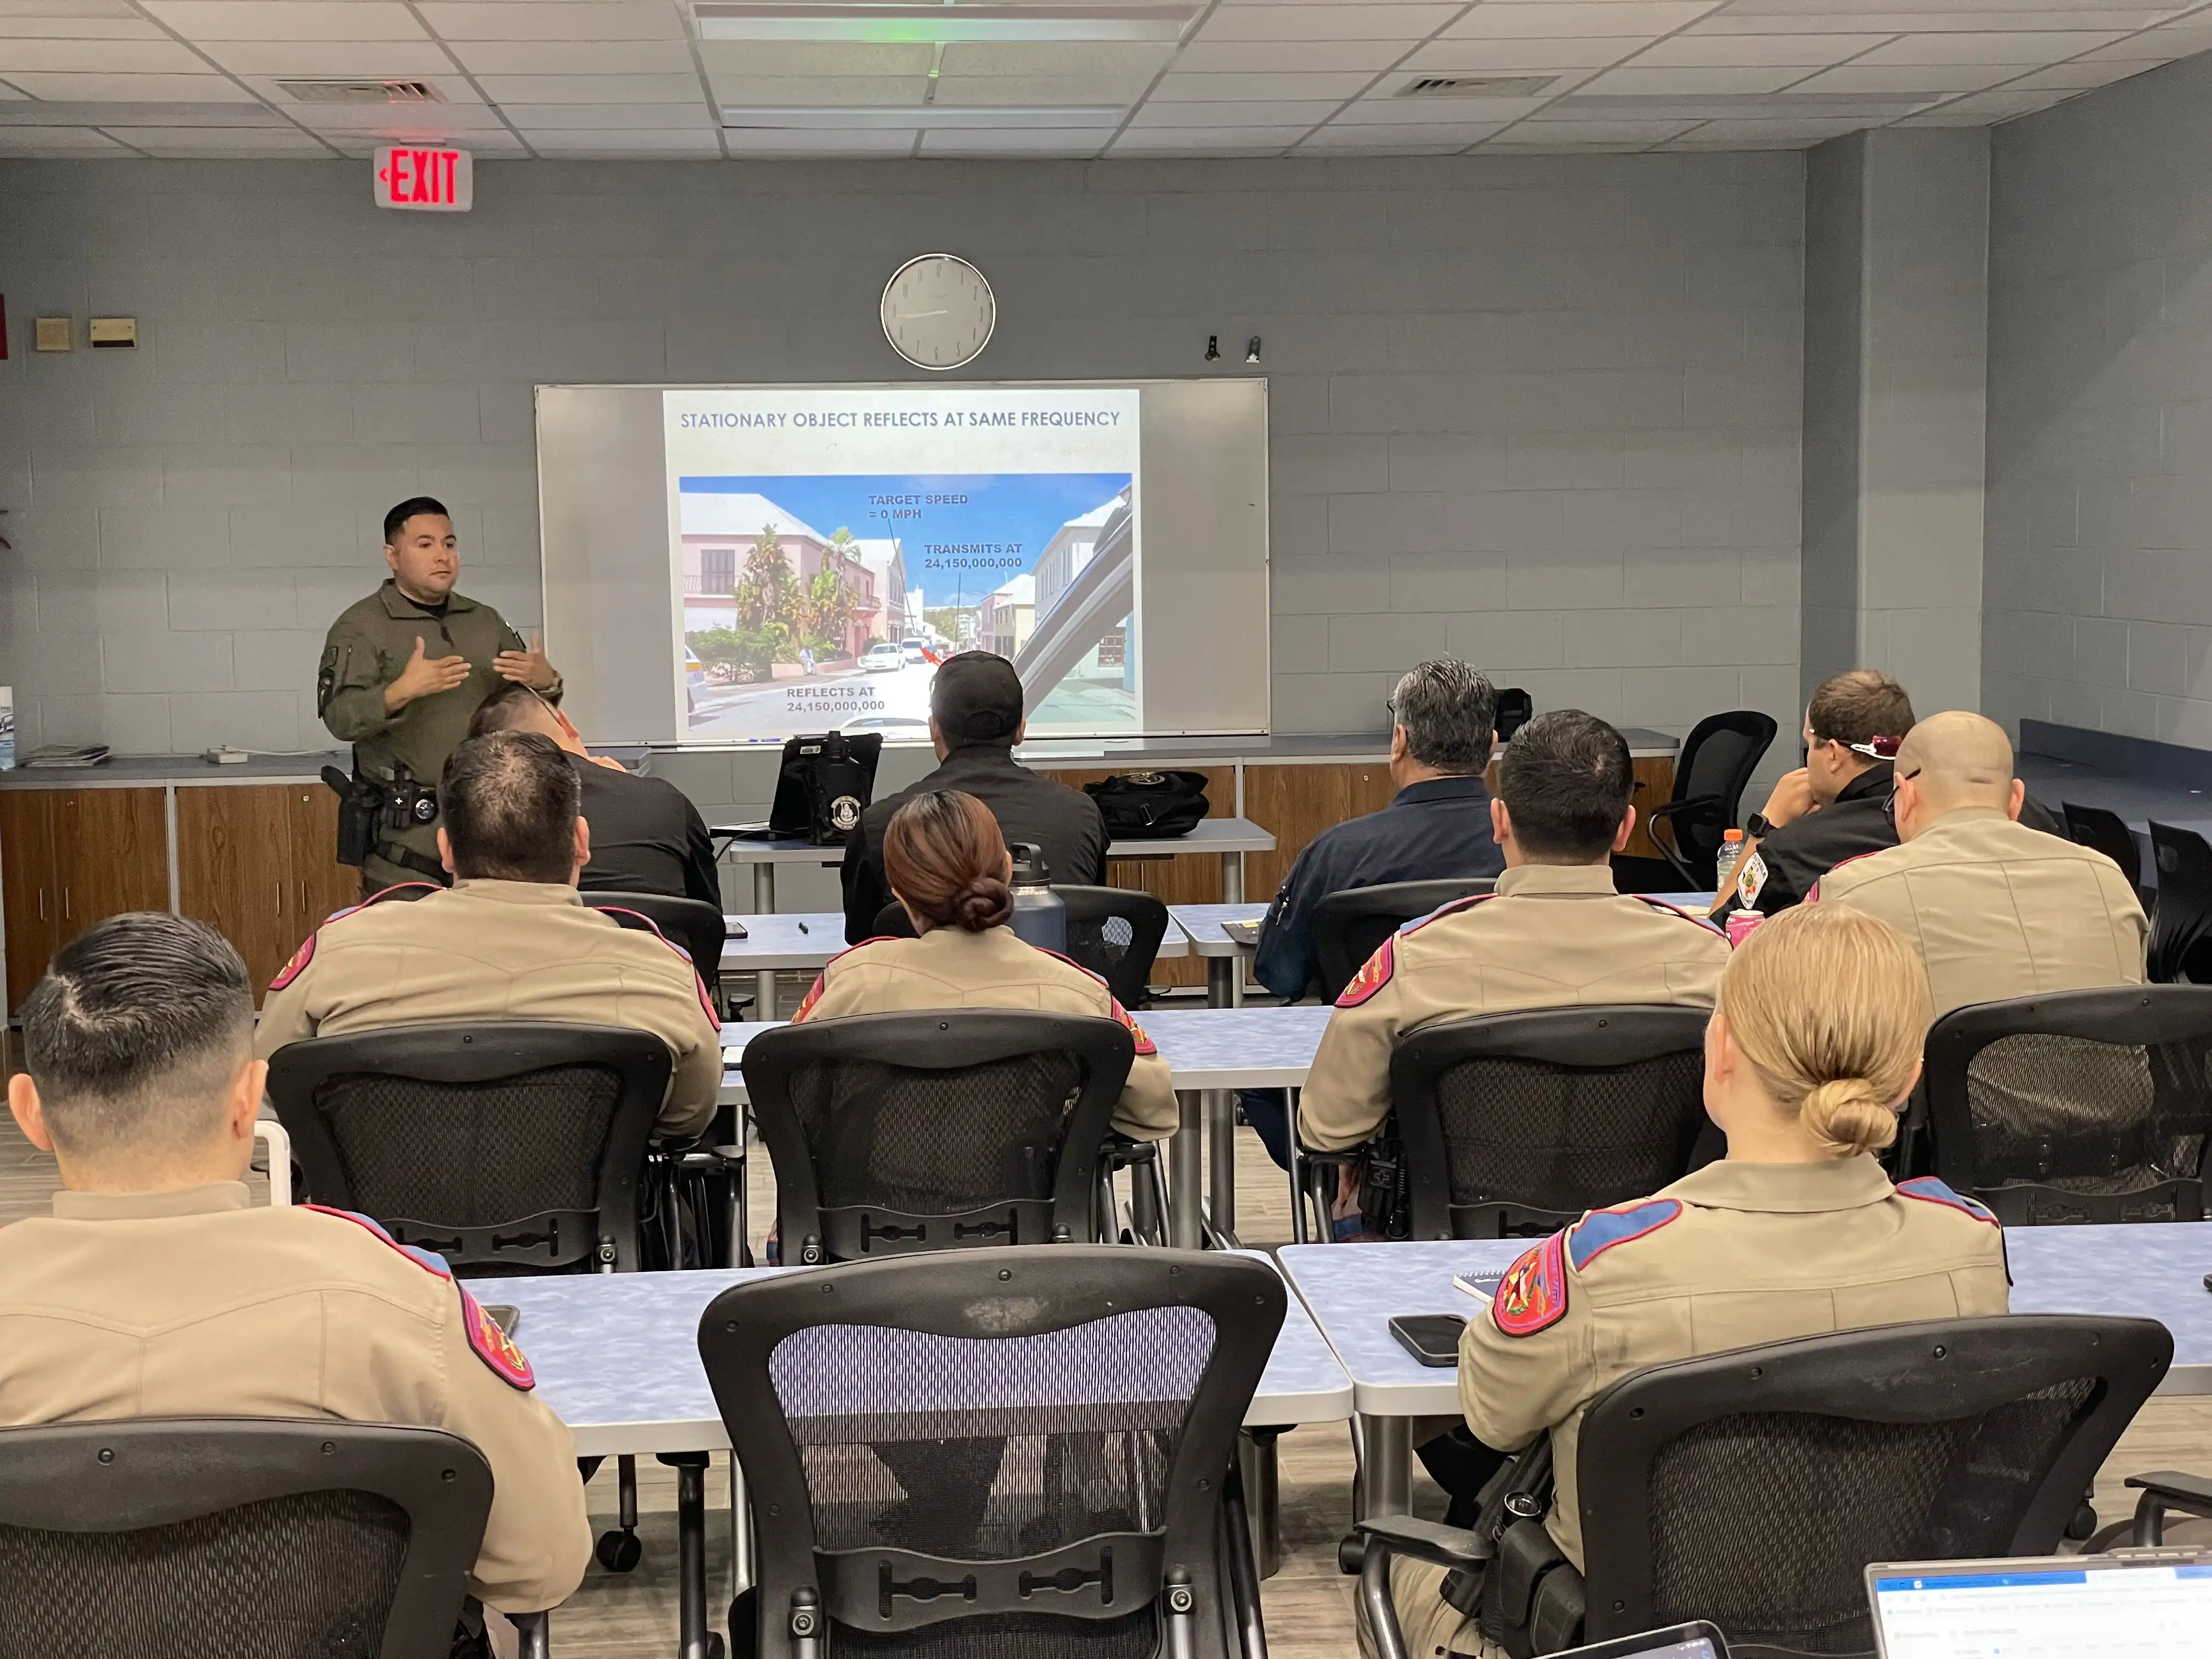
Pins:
x: 791, y: 939
x: 1208, y: 835
x: 1205, y: 1047
x: 1202, y: 923
x: 1353, y: 1289
x: 617, y: 1358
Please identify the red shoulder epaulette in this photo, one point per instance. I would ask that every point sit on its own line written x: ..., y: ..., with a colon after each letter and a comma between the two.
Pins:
x: 1705, y: 922
x: 1600, y: 1230
x: 425, y: 1259
x: 1930, y: 1190
x: 305, y: 954
x: 1449, y: 908
x: 821, y: 980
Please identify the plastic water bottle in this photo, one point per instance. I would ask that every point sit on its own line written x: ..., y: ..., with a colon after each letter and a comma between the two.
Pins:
x: 1040, y: 915
x: 6, y: 728
x: 1731, y: 854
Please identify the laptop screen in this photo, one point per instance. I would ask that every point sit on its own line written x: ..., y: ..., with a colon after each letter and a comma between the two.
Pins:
x: 2046, y: 1610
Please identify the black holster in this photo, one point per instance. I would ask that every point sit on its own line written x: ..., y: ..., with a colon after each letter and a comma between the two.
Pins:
x: 360, y: 803
x: 1386, y: 1188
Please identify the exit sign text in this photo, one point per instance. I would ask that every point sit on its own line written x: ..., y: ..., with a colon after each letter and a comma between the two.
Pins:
x: 424, y: 181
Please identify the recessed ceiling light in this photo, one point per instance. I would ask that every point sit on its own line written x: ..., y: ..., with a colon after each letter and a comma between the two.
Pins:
x: 893, y: 22
x: 878, y: 118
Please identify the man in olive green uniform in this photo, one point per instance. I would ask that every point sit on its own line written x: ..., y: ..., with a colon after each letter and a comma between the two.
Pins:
x: 155, y: 1291
x: 402, y: 671
x: 1996, y: 910
x: 511, y: 939
x: 1554, y: 935
x: 1736, y: 1254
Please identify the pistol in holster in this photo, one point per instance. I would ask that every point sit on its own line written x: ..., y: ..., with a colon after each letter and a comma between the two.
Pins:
x: 372, y: 810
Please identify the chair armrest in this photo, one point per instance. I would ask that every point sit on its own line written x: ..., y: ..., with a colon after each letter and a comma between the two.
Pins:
x: 1426, y: 1541
x: 1687, y: 804
x: 2178, y: 1491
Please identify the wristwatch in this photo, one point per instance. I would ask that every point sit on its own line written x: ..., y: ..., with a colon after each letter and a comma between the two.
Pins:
x: 1756, y: 827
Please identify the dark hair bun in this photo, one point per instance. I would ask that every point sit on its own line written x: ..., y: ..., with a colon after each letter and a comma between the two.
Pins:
x: 986, y: 902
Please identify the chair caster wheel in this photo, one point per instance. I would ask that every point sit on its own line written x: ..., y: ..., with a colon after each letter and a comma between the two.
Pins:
x: 1350, y: 1554
x: 713, y: 1644
x: 2083, y: 1526
x: 619, y: 1551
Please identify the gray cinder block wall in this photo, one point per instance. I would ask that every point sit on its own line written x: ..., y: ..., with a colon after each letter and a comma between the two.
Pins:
x: 2098, y: 573
x: 1539, y: 412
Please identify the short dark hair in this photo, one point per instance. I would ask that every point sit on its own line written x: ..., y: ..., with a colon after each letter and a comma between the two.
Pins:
x: 504, y: 709
x: 413, y: 506
x: 1859, y: 706
x: 1449, y: 712
x: 508, y: 800
x: 1565, y: 779
x: 133, y: 1032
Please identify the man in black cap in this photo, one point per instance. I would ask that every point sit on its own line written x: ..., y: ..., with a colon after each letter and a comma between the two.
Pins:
x: 976, y: 719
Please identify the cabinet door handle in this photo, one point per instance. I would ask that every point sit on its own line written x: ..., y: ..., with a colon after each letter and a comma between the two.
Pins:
x: 42, y: 904
x: 65, y: 904
x: 280, y: 898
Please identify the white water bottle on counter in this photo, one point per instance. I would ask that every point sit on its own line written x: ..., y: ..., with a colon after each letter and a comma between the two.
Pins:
x: 6, y: 728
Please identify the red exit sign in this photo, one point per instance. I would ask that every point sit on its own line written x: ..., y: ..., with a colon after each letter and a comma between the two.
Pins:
x: 424, y: 181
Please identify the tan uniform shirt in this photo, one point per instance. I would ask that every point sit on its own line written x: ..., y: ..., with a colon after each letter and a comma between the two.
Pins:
x: 949, y: 968
x: 190, y: 1305
x: 1996, y: 910
x: 1555, y: 936
x: 1733, y: 1255
x: 500, y: 950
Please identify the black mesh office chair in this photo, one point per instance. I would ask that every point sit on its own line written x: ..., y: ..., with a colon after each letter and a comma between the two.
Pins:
x: 212, y: 1538
x: 1752, y: 1488
x: 2181, y: 930
x: 2108, y: 832
x: 1114, y: 932
x: 691, y: 923
x: 506, y: 1146
x: 2077, y: 1105
x: 1715, y: 763
x: 1349, y: 927
x: 998, y: 1454
x: 1516, y: 1123
x: 1516, y: 708
x: 897, y: 1133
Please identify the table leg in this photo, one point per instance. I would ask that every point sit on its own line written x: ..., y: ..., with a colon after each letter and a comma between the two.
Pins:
x: 764, y: 889
x: 1221, y: 1147
x: 1386, y: 1465
x: 1232, y: 878
x: 1221, y: 981
x: 691, y: 1552
x: 1257, y: 1461
x: 764, y: 994
x: 1187, y: 1172
x: 741, y: 1533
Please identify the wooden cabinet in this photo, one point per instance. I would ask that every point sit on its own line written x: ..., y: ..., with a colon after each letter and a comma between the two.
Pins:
x: 71, y: 858
x: 254, y: 862
x: 1297, y: 803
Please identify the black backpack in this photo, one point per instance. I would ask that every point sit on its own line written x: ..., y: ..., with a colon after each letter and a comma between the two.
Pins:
x: 1142, y: 805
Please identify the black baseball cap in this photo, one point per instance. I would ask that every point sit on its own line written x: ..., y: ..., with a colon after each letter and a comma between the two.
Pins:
x: 976, y: 697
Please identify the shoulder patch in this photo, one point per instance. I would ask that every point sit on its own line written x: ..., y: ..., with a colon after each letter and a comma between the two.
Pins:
x: 813, y: 995
x: 1665, y: 909
x: 1373, y: 975
x: 1600, y: 1230
x: 1751, y: 878
x: 1929, y: 1190
x: 1533, y: 1295
x: 427, y: 1260
x: 292, y: 970
x: 493, y: 1346
x: 1449, y: 908
x: 1144, y: 1044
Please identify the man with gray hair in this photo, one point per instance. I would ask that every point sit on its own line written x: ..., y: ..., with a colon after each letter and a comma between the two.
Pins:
x: 1442, y: 719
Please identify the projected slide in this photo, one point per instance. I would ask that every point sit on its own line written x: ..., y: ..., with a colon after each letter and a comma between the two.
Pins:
x: 831, y: 547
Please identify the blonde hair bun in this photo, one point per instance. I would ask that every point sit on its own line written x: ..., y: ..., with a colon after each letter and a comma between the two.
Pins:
x: 1831, y: 1008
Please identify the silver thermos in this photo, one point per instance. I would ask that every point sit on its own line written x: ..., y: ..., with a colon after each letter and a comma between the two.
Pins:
x: 1040, y: 915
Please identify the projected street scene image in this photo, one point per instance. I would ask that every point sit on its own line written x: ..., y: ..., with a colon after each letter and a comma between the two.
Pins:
x: 824, y: 601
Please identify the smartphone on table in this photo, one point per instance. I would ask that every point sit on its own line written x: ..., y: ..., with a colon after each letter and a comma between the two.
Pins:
x: 1433, y: 1339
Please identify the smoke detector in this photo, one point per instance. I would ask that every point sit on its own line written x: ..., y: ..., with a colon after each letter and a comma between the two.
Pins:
x: 362, y: 92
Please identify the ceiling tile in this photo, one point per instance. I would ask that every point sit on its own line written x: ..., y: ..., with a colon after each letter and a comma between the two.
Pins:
x: 330, y: 59
x: 1326, y: 23
x: 1515, y: 57
x: 1121, y: 90
x: 1233, y: 115
x: 100, y: 57
x: 813, y: 58
x: 1931, y: 78
x: 1279, y: 57
x: 2075, y: 76
x: 1695, y: 48
x: 619, y: 143
x: 763, y: 142
x: 575, y: 58
x: 563, y: 19
x: 1568, y: 18
x: 1446, y: 137
x: 1891, y: 18
x: 226, y: 141
x: 286, y: 20
x: 581, y: 118
x: 77, y: 9
x: 134, y: 88
x: 1206, y: 141
x: 423, y: 121
x: 1139, y: 57
x: 590, y: 88
x: 2001, y: 46
x: 1634, y: 78
x: 954, y: 141
x: 453, y: 93
x: 2160, y: 45
x: 78, y: 28
x: 1436, y: 112
x: 1592, y: 132
x: 2001, y: 104
x: 1785, y: 134
x: 820, y: 90
x: 1209, y: 89
x: 34, y: 142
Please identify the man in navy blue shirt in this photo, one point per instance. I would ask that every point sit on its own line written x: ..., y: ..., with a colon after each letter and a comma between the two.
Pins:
x: 1437, y: 825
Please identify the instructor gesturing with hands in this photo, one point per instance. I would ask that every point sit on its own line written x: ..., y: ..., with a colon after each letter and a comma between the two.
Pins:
x: 403, y: 672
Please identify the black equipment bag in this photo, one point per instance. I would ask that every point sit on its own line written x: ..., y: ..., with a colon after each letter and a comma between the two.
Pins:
x: 1142, y: 805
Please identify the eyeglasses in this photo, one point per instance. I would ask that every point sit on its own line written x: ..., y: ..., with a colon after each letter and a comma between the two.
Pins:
x: 1889, y: 801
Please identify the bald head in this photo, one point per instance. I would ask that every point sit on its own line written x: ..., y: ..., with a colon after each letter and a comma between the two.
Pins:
x: 1951, y: 761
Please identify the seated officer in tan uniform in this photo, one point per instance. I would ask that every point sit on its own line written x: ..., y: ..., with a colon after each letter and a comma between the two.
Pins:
x: 1814, y: 1042
x: 510, y: 939
x: 153, y: 1291
x: 948, y: 866
x: 1554, y: 934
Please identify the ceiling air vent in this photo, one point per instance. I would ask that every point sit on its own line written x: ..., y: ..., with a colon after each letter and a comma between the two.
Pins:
x: 362, y: 92
x: 1476, y: 86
